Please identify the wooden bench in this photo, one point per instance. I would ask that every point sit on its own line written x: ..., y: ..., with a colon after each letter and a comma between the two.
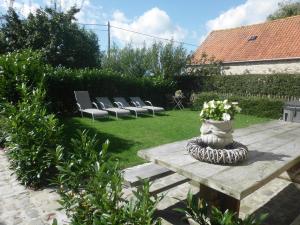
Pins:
x: 135, y: 175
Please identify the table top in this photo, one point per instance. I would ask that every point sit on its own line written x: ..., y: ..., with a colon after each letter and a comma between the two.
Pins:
x: 274, y: 147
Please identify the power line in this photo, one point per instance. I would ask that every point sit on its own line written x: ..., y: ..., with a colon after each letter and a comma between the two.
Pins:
x: 153, y: 36
x: 140, y: 33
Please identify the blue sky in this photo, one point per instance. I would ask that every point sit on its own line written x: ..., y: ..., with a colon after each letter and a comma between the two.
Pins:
x: 186, y: 21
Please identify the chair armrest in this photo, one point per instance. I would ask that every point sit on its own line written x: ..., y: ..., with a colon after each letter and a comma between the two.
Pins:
x: 95, y: 104
x: 149, y: 103
x: 102, y: 105
x: 78, y: 105
x: 117, y: 104
x: 134, y: 104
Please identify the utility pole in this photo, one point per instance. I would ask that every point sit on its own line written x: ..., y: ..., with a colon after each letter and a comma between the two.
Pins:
x: 108, y: 36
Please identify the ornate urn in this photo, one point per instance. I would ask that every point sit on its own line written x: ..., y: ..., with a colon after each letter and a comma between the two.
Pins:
x: 216, y: 134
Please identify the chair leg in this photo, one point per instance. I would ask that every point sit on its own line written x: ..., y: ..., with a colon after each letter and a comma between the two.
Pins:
x: 117, y: 115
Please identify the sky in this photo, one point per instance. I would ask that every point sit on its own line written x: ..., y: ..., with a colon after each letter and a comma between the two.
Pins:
x: 188, y: 21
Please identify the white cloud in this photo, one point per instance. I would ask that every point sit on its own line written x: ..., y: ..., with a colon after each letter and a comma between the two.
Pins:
x: 155, y: 22
x: 23, y: 8
x: 250, y: 12
x: 89, y: 13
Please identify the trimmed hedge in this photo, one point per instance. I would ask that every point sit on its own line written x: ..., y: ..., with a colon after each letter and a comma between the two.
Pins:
x: 61, y: 83
x: 272, y: 84
x: 261, y: 107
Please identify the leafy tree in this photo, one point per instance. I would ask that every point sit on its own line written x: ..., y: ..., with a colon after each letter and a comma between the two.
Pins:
x: 286, y: 9
x: 205, y: 66
x: 159, y: 59
x: 63, y: 41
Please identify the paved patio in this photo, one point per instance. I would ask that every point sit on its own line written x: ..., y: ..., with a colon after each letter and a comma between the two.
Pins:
x: 280, y: 198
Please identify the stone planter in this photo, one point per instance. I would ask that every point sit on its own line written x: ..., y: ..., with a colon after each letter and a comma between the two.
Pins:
x: 216, y: 134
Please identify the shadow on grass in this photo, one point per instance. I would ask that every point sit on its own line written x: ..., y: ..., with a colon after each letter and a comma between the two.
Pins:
x: 117, y: 144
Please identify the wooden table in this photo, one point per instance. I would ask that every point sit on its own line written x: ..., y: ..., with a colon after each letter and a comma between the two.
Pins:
x: 274, y: 148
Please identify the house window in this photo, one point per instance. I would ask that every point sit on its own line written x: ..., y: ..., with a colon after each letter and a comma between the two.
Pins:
x: 252, y: 38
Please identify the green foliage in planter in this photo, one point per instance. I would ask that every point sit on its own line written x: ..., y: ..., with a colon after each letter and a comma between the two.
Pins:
x: 17, y: 67
x: 91, y: 187
x: 200, y: 212
x: 33, y: 136
x: 61, y: 83
x: 256, y: 106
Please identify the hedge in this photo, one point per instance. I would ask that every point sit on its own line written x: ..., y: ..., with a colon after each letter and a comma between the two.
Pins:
x: 257, y: 106
x: 272, y: 84
x: 61, y: 83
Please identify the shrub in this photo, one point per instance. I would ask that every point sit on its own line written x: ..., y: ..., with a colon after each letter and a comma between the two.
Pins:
x: 61, y: 83
x: 261, y: 107
x: 17, y: 67
x: 271, y: 84
x: 33, y: 136
x: 91, y: 188
x: 204, y: 214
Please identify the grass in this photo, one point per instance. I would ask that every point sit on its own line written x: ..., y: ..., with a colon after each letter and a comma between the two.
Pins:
x: 129, y: 135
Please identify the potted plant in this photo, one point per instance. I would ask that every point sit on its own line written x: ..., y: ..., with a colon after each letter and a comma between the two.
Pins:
x: 217, y: 116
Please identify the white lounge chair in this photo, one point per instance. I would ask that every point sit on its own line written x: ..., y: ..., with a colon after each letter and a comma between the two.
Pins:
x: 106, y: 105
x: 85, y: 105
x: 125, y: 105
x: 138, y: 102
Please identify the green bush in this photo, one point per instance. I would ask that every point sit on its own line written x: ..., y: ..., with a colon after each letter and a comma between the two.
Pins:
x: 32, y: 137
x: 256, y: 106
x: 91, y: 188
x: 17, y: 67
x: 271, y: 84
x: 61, y: 83
x: 204, y: 214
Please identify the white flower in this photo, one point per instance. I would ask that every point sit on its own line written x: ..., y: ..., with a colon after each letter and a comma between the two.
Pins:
x: 227, y: 106
x: 226, y: 117
x: 201, y: 113
x: 212, y: 104
x: 205, y: 105
x: 225, y: 101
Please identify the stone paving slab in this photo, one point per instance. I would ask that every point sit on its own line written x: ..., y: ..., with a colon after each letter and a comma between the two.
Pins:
x: 24, y: 206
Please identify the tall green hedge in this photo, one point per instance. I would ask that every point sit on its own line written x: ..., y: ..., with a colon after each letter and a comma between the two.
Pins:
x: 257, y: 106
x: 61, y: 83
x: 272, y: 84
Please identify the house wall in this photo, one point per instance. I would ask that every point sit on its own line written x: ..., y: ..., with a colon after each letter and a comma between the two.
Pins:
x: 266, y: 67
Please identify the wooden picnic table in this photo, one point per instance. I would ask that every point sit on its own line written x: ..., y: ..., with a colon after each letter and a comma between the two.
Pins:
x: 274, y: 147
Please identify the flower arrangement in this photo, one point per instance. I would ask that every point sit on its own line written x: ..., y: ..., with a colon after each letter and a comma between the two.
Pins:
x: 179, y: 94
x: 219, y: 110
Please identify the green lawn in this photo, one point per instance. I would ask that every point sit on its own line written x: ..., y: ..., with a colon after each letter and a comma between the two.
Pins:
x: 128, y: 135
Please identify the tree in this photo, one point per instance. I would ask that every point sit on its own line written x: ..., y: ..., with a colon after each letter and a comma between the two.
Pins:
x: 63, y: 42
x: 159, y: 59
x: 286, y: 9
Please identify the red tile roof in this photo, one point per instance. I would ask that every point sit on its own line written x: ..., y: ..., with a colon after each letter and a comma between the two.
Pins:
x: 278, y: 39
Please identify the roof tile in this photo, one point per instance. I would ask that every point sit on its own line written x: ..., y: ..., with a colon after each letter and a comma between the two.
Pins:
x: 278, y: 39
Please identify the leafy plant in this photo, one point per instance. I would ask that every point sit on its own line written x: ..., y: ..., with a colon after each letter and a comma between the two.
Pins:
x: 91, y: 188
x: 219, y: 110
x: 33, y: 135
x: 203, y: 214
x: 19, y: 67
x: 195, y: 209
x: 55, y: 33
